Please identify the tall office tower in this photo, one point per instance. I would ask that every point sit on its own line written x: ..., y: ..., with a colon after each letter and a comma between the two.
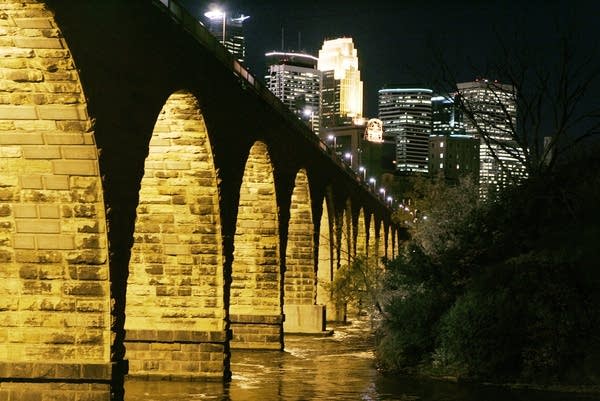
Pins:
x: 454, y: 155
x: 495, y: 114
x: 295, y: 80
x: 341, y: 87
x: 406, y: 116
x: 228, y: 30
x: 445, y: 115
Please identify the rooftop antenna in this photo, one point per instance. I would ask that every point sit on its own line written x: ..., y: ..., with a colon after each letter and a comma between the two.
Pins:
x: 282, y: 48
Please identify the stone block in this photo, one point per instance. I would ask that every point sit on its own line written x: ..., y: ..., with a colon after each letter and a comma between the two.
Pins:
x: 31, y: 182
x: 25, y: 211
x: 16, y: 113
x: 24, y: 241
x: 38, y: 43
x: 20, y: 138
x: 41, y: 152
x: 75, y: 167
x: 64, y: 139
x: 80, y: 152
x: 38, y: 226
x: 33, y: 22
x: 61, y: 112
x: 55, y: 242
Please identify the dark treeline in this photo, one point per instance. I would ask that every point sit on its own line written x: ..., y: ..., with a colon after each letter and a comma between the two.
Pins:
x: 511, y: 291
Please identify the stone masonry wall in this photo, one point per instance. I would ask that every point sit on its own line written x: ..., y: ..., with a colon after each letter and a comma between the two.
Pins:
x: 255, y: 303
x: 300, y: 277
x: 325, y: 260
x: 360, y: 238
x: 54, y: 276
x: 175, y: 315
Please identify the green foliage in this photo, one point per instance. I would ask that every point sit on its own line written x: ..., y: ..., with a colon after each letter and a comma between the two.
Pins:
x: 504, y: 291
x: 358, y: 284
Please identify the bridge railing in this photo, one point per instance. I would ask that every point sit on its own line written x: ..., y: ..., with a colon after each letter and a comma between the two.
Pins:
x: 202, y: 35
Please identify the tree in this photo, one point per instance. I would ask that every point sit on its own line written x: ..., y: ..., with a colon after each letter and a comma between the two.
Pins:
x: 553, y: 112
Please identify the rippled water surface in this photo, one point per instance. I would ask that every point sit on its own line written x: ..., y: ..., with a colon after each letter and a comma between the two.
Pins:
x: 339, y: 367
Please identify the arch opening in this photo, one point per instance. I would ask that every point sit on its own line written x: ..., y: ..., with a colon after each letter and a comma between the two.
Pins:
x: 255, y: 306
x: 175, y: 284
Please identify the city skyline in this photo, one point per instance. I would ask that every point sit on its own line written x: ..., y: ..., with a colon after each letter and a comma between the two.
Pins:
x: 398, y: 43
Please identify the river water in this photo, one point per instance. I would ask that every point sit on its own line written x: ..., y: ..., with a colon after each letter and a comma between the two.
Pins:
x: 340, y: 367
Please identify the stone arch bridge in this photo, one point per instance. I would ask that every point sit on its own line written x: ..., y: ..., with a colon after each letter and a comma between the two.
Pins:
x: 157, y: 204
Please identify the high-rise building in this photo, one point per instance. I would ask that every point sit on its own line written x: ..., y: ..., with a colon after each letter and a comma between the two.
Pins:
x: 453, y: 155
x: 295, y: 80
x: 341, y: 86
x: 493, y: 119
x: 229, y: 30
x: 406, y: 116
x: 445, y: 115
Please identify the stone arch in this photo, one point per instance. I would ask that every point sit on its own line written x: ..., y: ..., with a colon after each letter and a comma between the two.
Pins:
x: 372, y: 251
x: 255, y: 307
x: 302, y: 315
x: 388, y: 242
x: 55, y: 288
x: 381, y: 250
x: 344, y: 236
x: 326, y: 251
x: 175, y: 284
x: 360, y: 237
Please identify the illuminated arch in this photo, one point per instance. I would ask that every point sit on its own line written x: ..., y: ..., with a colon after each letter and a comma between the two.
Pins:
x: 381, y: 251
x: 175, y: 284
x: 326, y: 252
x: 299, y: 277
x: 55, y: 288
x: 372, y: 251
x: 360, y: 238
x: 255, y: 298
x: 344, y: 236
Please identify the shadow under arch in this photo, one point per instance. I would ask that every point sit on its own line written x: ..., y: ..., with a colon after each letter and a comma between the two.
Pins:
x: 302, y: 314
x: 55, y: 291
x: 175, y: 285
x: 255, y: 304
x: 326, y: 255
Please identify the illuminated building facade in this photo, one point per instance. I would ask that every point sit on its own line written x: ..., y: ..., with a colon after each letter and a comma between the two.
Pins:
x: 295, y: 80
x: 406, y: 116
x: 220, y: 24
x: 341, y: 86
x: 445, y: 115
x: 494, y: 113
x: 453, y: 155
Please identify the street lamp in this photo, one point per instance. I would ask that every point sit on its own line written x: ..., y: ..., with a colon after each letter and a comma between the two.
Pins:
x: 363, y: 171
x: 216, y: 14
x: 382, y: 191
x: 390, y: 200
x: 348, y: 155
x: 372, y: 181
x: 332, y: 138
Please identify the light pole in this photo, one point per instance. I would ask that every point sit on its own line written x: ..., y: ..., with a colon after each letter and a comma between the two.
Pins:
x: 308, y: 113
x: 332, y: 138
x: 390, y: 200
x: 363, y: 171
x: 373, y: 181
x: 382, y: 191
x: 348, y: 155
x: 217, y: 14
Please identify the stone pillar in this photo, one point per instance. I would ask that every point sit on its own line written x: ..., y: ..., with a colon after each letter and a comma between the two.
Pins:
x: 255, y: 309
x: 175, y: 314
x: 302, y: 315
x: 55, y: 318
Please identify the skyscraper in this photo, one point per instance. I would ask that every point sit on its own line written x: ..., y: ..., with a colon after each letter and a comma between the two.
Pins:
x: 341, y: 87
x: 229, y: 30
x: 445, y: 115
x: 406, y: 116
x: 295, y: 80
x: 492, y: 119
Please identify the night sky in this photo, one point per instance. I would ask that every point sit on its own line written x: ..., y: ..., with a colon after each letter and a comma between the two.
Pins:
x: 398, y: 41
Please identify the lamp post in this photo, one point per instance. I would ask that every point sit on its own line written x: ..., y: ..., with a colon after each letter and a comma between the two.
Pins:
x: 217, y: 14
x: 382, y: 191
x: 372, y: 181
x: 363, y: 170
x: 332, y: 138
x: 348, y: 155
x: 390, y: 200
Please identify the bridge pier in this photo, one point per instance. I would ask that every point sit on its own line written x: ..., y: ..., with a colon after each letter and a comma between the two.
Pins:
x: 259, y: 332
x: 177, y: 354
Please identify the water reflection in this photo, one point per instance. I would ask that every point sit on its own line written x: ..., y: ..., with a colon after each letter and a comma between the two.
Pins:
x: 340, y: 367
